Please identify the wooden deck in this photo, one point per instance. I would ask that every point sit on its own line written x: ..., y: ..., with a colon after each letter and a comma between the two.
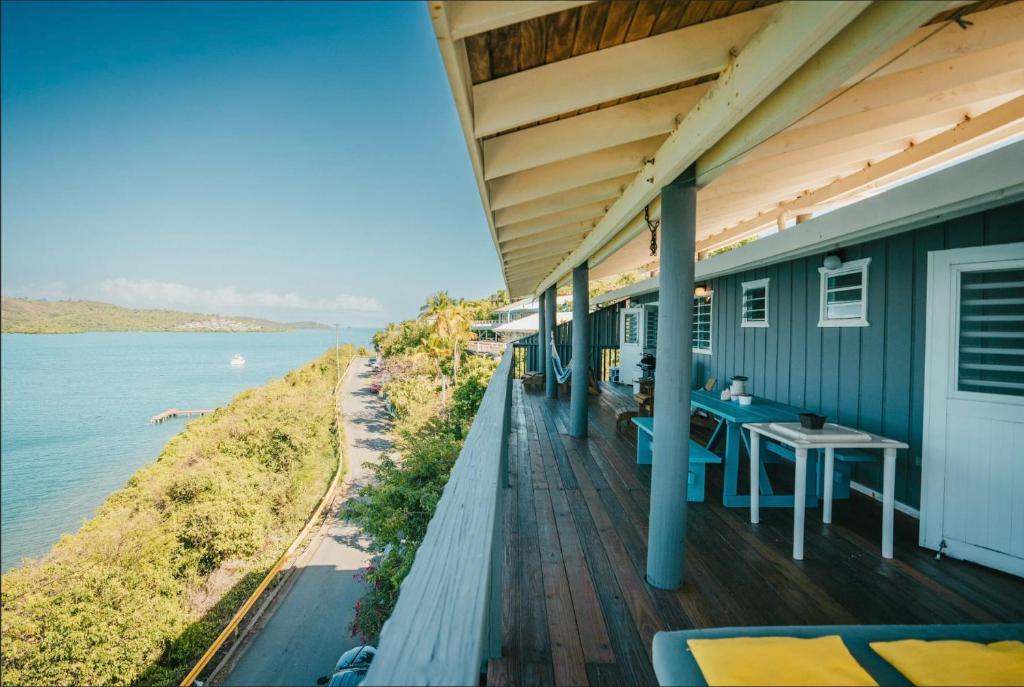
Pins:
x: 576, y: 530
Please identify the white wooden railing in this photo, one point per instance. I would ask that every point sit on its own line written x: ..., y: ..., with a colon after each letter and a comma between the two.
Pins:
x: 447, y: 621
x: 486, y: 347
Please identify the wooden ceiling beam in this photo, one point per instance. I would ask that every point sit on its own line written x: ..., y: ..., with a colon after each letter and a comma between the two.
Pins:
x: 585, y: 214
x: 469, y: 17
x: 589, y: 132
x: 989, y: 28
x: 538, y: 253
x: 937, y: 88
x: 541, y: 239
x: 998, y: 124
x: 579, y: 171
x: 607, y: 190
x: 566, y: 225
x: 877, y: 29
x: 792, y: 36
x: 607, y: 75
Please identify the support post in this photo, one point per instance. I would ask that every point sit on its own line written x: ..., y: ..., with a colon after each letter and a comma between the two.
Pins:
x: 542, y: 334
x: 580, y: 351
x: 550, y: 303
x: 671, y: 461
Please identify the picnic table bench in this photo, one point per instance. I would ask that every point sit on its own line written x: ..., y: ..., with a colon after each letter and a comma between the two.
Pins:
x: 699, y: 457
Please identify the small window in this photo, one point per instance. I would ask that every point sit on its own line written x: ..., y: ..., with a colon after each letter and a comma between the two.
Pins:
x: 755, y: 303
x: 629, y: 328
x: 702, y: 323
x: 844, y: 295
x: 651, y: 326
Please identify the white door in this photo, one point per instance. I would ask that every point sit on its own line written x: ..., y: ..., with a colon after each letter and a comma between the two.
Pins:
x: 972, y: 481
x: 630, y: 344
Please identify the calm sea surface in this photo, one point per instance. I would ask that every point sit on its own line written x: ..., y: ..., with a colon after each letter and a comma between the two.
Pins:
x: 74, y: 416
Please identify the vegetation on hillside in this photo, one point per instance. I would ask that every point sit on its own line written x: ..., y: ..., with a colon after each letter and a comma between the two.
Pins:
x: 25, y: 316
x: 435, y: 392
x: 140, y: 592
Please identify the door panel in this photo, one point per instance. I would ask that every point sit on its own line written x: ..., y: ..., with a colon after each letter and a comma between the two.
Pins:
x: 630, y: 344
x: 973, y: 463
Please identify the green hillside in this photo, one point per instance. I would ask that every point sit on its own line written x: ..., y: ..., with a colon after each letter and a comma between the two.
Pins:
x: 143, y: 588
x: 25, y: 316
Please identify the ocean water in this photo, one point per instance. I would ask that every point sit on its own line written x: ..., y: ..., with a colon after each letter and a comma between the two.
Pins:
x: 75, y: 409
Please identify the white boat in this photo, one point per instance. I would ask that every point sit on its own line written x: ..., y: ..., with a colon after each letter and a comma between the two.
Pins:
x: 237, y: 361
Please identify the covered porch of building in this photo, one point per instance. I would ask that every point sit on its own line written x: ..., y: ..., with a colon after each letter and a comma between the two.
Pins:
x: 577, y: 610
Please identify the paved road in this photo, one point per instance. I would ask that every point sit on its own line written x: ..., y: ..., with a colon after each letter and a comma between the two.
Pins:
x: 308, y: 629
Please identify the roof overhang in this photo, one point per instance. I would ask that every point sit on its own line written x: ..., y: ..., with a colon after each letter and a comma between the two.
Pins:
x: 576, y: 114
x: 989, y: 180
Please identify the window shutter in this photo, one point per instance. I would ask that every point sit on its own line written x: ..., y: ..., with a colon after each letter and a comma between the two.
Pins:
x: 991, y: 341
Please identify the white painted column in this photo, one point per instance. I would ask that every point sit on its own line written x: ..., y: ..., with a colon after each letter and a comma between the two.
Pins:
x: 888, y: 499
x: 580, y: 351
x: 799, y: 503
x: 666, y: 539
x: 550, y: 304
x: 830, y: 462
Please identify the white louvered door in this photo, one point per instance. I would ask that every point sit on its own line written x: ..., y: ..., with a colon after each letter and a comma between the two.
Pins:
x: 972, y: 491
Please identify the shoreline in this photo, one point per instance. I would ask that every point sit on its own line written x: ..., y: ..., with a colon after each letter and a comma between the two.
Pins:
x: 131, y: 537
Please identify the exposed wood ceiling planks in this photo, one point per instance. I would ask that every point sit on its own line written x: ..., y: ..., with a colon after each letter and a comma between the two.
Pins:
x: 581, y: 30
x: 548, y: 173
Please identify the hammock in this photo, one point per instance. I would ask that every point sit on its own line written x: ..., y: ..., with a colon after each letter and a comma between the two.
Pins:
x: 561, y: 373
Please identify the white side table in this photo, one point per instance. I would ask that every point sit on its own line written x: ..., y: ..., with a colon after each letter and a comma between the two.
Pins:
x: 829, y: 439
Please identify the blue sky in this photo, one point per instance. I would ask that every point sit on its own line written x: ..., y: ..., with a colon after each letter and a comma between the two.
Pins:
x: 295, y: 161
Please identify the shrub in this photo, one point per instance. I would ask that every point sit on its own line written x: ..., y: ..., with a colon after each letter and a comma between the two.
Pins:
x: 140, y: 592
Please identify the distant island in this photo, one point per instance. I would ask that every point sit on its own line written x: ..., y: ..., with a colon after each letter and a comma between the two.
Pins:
x: 26, y: 316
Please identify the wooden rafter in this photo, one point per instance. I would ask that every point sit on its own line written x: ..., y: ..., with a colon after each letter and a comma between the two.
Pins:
x: 569, y: 174
x: 1002, y: 122
x: 468, y: 17
x: 589, y: 132
x: 795, y: 33
x: 605, y: 75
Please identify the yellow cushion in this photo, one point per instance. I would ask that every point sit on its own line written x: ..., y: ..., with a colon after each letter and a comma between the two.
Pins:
x: 777, y: 661
x: 955, y: 662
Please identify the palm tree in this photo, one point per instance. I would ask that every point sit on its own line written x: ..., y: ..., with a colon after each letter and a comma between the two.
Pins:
x: 453, y: 325
x: 437, y: 302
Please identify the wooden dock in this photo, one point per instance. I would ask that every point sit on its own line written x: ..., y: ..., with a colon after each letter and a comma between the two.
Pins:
x: 172, y: 413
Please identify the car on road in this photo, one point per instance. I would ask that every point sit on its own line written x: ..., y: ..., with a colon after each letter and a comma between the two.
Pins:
x: 351, y: 668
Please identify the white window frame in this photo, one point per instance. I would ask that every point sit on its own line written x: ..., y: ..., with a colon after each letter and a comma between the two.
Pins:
x: 846, y: 268
x: 710, y: 295
x: 750, y: 286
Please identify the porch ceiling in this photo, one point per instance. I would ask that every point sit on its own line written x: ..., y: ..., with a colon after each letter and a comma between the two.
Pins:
x: 575, y: 114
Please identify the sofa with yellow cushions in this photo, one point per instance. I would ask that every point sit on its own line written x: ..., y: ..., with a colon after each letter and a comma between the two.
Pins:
x: 675, y: 663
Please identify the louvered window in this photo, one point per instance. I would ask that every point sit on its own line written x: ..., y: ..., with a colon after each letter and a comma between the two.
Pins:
x: 702, y: 323
x: 844, y: 295
x: 629, y: 326
x: 755, y: 304
x: 991, y: 345
x: 651, y: 326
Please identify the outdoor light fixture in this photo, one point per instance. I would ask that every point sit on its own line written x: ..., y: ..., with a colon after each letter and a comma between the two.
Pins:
x: 833, y: 262
x: 700, y: 291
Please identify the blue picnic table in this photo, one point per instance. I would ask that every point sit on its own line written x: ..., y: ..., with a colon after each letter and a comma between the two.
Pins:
x: 731, y: 417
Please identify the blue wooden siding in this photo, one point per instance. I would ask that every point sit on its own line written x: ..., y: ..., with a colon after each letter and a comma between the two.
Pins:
x: 868, y: 377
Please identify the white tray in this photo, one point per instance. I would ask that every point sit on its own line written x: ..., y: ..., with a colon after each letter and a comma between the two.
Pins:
x: 829, y: 432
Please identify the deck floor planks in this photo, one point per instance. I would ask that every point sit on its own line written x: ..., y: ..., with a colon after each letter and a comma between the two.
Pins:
x: 566, y: 645
x: 594, y: 637
x: 583, y: 521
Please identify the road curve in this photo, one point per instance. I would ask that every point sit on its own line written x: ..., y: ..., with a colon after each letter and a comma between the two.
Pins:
x: 308, y: 627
